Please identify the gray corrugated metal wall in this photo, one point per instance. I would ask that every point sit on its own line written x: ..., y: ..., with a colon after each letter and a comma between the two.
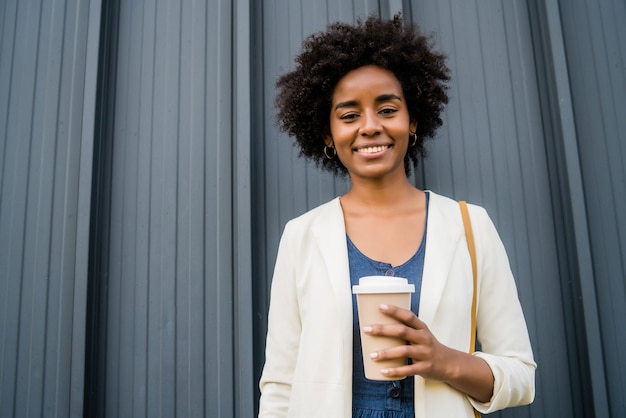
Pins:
x: 48, y: 68
x: 172, y: 280
x: 192, y: 185
x: 594, y: 36
x: 571, y: 233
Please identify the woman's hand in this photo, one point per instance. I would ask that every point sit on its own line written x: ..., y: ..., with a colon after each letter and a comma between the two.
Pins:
x: 430, y: 358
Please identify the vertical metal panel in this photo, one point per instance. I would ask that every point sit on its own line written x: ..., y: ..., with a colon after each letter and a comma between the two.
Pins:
x: 47, y: 84
x: 169, y: 279
x: 582, y: 331
x: 242, y: 211
x: 83, y: 220
x: 595, y: 46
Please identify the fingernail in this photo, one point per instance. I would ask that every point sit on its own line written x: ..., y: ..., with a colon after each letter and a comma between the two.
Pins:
x: 374, y: 355
x: 367, y: 329
x: 384, y: 371
x: 384, y: 307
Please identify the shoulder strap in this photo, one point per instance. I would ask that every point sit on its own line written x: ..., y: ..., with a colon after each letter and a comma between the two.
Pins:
x: 469, y: 236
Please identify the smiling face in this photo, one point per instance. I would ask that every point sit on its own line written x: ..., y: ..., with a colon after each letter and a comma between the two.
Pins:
x: 369, y: 123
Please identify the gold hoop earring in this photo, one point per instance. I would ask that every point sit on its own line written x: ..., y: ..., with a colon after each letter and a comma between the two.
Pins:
x: 414, y: 136
x: 330, y: 157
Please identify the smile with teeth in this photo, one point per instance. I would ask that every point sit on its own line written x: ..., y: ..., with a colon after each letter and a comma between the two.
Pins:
x: 372, y: 150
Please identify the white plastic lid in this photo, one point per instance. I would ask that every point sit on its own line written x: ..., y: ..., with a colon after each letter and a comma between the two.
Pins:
x: 382, y: 284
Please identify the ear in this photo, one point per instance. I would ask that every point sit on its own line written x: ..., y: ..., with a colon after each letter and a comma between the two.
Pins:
x: 328, y: 140
x: 413, y: 127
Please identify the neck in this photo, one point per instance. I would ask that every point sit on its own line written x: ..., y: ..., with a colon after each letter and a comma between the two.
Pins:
x: 383, y: 194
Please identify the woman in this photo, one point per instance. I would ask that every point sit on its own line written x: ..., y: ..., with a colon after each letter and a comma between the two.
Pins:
x: 361, y: 101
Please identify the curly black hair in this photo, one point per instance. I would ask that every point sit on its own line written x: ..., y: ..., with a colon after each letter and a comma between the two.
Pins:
x: 305, y: 94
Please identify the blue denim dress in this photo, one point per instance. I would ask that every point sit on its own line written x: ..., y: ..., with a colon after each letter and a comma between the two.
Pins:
x: 371, y: 398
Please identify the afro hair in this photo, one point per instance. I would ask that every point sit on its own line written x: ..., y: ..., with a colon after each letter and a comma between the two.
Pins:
x: 305, y: 94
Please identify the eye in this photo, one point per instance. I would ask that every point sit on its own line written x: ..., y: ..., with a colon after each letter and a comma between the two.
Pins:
x: 388, y: 111
x: 349, y: 116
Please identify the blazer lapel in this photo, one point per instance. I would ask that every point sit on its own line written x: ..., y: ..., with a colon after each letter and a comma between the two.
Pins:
x: 330, y: 234
x: 443, y: 234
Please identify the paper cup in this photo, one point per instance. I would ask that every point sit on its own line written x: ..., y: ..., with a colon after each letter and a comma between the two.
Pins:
x: 371, y: 292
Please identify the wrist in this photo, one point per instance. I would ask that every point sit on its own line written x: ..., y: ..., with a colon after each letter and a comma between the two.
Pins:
x: 454, y: 366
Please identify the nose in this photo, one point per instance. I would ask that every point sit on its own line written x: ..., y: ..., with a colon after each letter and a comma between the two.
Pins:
x: 370, y: 123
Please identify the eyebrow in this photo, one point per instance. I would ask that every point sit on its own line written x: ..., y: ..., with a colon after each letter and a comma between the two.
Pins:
x: 381, y: 98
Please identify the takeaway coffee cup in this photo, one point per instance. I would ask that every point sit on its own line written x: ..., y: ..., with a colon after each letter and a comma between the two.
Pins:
x: 371, y: 292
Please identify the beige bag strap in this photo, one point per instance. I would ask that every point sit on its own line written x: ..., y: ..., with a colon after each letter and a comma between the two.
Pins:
x: 469, y: 236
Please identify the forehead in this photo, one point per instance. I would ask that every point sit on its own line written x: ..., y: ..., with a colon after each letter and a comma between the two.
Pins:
x: 369, y: 79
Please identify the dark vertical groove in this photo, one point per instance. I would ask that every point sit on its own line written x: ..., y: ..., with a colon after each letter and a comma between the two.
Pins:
x: 95, y: 341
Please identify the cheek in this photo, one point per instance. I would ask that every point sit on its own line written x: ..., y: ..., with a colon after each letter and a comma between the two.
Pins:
x: 342, y: 135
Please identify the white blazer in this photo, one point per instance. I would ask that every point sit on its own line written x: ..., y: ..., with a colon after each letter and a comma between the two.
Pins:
x: 308, y: 367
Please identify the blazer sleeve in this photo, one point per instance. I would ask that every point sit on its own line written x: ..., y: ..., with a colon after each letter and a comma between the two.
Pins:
x: 501, y: 327
x: 283, y: 335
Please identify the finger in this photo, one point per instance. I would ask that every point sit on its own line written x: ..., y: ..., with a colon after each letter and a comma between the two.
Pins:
x: 400, y: 331
x: 405, y: 316
x: 400, y: 351
x: 400, y: 372
x: 416, y: 367
x: 414, y: 352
